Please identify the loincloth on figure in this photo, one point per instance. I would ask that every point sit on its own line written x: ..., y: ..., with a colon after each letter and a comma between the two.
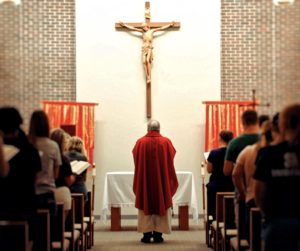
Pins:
x: 146, y: 49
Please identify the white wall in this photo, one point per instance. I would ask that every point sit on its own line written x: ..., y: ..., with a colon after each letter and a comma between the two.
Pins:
x: 185, y: 72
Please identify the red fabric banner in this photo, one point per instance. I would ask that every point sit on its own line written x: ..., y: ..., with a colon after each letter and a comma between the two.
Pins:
x: 74, y: 113
x: 223, y: 115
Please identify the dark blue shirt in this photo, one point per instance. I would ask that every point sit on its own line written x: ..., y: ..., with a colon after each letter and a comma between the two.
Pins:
x: 216, y: 158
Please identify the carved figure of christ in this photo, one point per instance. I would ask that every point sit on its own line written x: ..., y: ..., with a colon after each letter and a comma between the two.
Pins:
x: 147, y: 29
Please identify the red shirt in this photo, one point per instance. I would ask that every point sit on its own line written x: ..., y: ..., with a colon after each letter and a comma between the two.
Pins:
x: 155, y: 181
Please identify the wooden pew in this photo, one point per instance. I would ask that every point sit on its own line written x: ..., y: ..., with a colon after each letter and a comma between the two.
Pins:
x: 229, y: 230
x: 236, y: 243
x: 208, y: 219
x: 89, y: 220
x: 255, y: 229
x: 59, y: 242
x: 71, y: 233
x: 218, y: 223
x: 79, y: 219
x: 43, y: 240
x: 14, y: 235
x: 89, y: 216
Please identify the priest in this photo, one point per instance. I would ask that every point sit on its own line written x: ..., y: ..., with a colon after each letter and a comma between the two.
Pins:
x: 155, y: 183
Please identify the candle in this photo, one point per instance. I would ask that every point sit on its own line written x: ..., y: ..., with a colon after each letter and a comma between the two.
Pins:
x: 202, y: 168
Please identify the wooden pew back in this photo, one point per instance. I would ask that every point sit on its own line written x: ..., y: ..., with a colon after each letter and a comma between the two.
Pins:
x: 229, y: 230
x: 59, y: 242
x: 89, y: 219
x: 255, y: 229
x: 79, y: 218
x: 43, y: 240
x: 219, y: 205
x: 219, y: 218
x: 14, y: 235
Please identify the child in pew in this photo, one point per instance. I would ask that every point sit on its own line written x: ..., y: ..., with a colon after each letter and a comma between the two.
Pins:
x: 76, y: 151
x: 277, y: 186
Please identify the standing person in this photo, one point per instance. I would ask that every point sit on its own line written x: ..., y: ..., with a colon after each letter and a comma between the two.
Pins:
x: 76, y: 151
x: 17, y: 188
x: 155, y: 183
x: 249, y: 136
x: 218, y: 182
x: 277, y: 189
x: 244, y: 169
x: 50, y: 157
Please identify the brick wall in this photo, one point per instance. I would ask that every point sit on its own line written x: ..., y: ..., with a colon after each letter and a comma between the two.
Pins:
x: 37, y: 53
x: 261, y: 51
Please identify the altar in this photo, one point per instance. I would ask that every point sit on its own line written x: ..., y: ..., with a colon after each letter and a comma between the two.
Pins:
x: 118, y: 193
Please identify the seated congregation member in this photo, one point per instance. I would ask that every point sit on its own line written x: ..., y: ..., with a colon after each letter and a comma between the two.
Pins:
x: 76, y: 151
x: 50, y: 157
x: 277, y: 186
x: 65, y: 177
x: 155, y: 182
x: 17, y: 188
x: 218, y: 182
x: 244, y: 169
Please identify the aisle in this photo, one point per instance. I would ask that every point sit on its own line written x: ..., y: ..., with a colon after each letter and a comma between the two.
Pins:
x: 129, y: 240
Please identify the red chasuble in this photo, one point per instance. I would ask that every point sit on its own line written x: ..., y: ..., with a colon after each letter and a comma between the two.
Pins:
x: 155, y: 181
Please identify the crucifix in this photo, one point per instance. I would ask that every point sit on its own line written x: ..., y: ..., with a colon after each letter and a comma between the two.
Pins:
x: 147, y: 28
x: 255, y: 103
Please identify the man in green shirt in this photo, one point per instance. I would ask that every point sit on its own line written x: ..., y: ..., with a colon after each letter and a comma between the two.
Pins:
x: 250, y: 136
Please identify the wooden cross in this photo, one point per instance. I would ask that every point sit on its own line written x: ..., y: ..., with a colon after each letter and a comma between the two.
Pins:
x: 255, y: 103
x: 147, y: 28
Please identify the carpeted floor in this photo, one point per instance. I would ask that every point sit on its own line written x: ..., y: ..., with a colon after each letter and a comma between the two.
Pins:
x: 129, y: 239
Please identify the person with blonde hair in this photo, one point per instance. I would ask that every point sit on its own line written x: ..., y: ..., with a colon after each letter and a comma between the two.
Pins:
x: 65, y: 178
x: 75, y: 150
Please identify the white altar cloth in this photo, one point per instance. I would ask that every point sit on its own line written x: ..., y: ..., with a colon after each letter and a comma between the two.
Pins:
x: 118, y: 192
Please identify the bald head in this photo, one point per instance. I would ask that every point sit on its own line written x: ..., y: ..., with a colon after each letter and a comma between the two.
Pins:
x: 153, y: 125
